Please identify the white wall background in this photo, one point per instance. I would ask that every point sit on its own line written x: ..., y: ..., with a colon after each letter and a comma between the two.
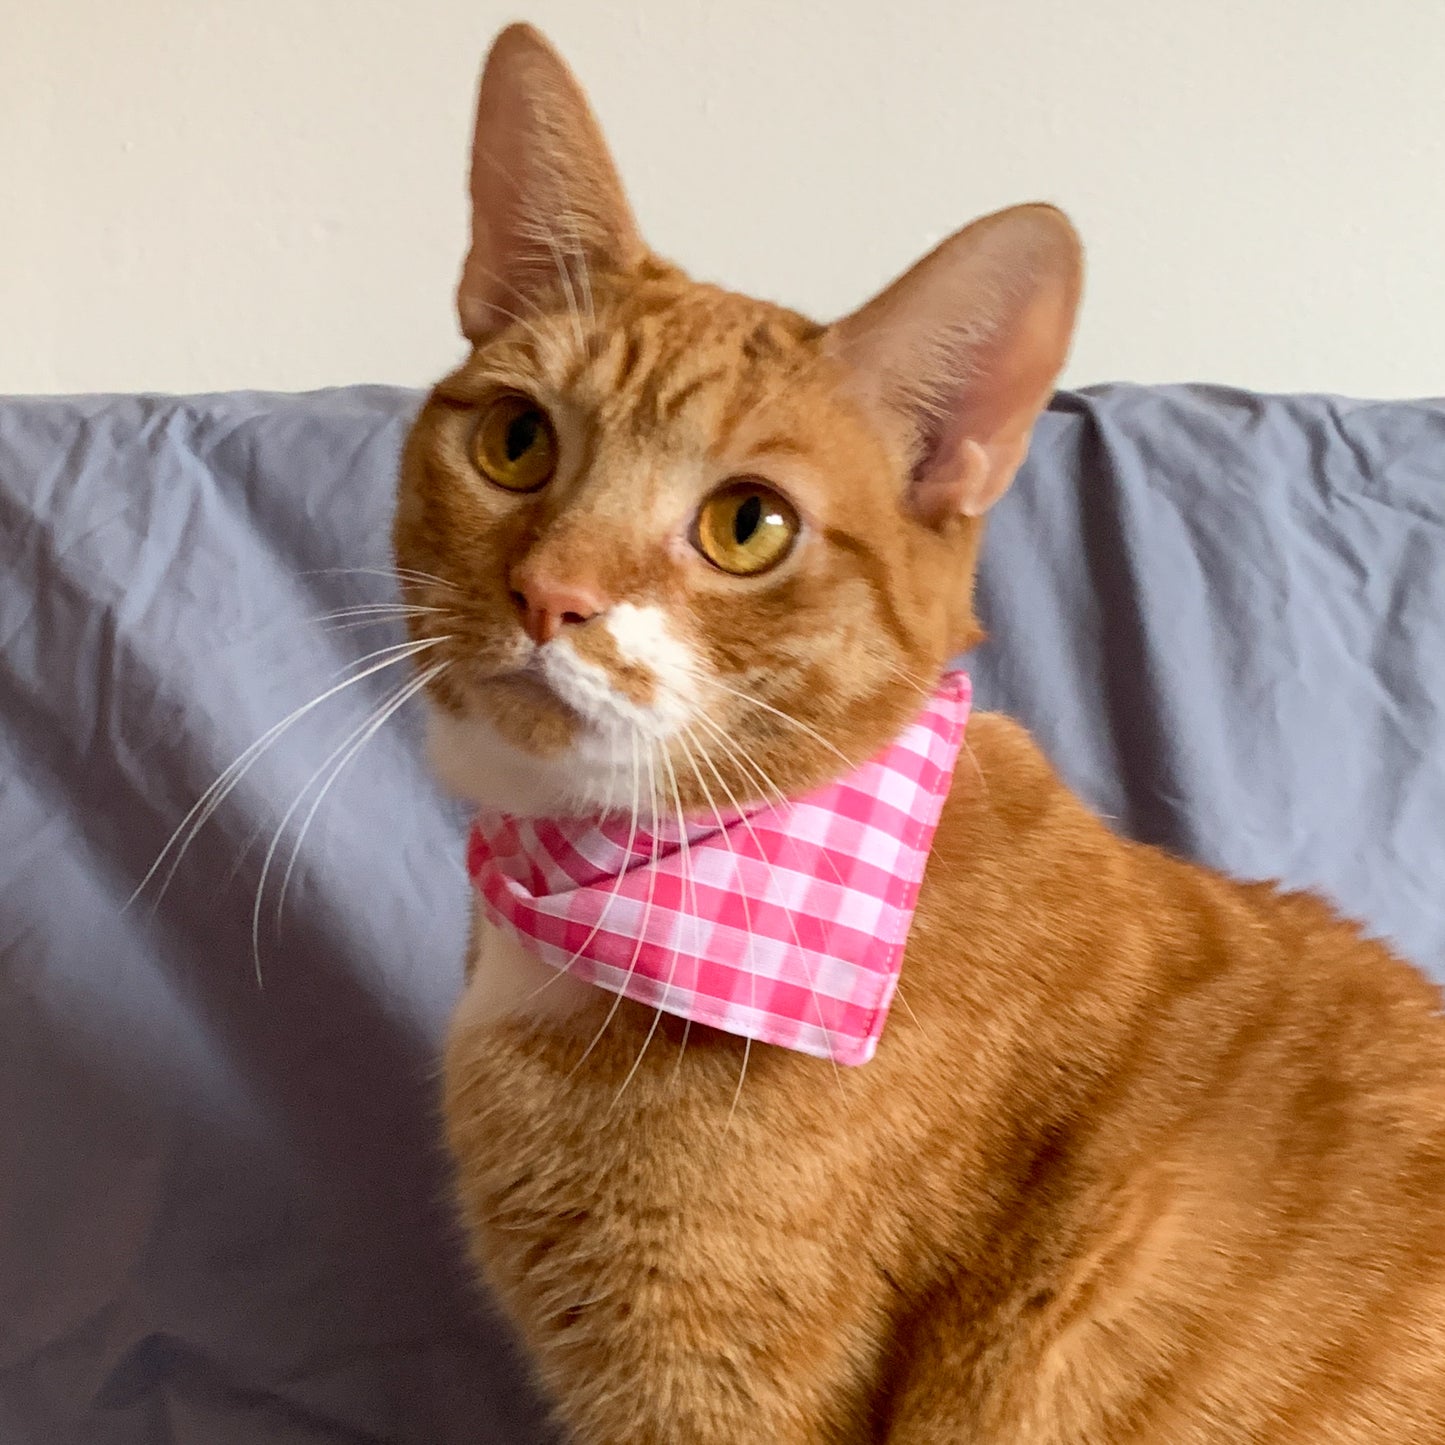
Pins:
x: 203, y: 194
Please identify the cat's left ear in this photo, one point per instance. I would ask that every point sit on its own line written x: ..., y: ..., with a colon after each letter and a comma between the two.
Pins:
x: 964, y: 349
x: 546, y: 199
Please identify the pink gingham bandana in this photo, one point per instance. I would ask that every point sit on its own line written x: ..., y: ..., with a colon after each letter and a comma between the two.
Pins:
x: 784, y: 924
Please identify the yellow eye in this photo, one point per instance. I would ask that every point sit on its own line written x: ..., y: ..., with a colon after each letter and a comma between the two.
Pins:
x: 514, y: 444
x: 745, y: 528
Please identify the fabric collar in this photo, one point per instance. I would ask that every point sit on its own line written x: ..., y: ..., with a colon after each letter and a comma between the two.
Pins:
x: 785, y: 924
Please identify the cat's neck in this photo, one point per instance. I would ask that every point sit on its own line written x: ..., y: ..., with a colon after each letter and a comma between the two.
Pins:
x: 506, y: 980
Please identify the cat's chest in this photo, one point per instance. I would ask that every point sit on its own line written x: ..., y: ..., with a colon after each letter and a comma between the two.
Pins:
x: 506, y: 981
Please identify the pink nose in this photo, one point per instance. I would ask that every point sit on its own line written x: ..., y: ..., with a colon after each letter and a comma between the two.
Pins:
x: 546, y: 605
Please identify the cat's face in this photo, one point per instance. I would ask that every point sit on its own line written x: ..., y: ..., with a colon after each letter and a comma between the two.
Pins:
x: 708, y: 497
x: 686, y: 549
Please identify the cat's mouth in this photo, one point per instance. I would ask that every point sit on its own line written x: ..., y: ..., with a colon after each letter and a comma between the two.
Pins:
x: 580, y: 687
x: 520, y: 709
x: 569, y: 721
x: 560, y: 727
x: 528, y: 687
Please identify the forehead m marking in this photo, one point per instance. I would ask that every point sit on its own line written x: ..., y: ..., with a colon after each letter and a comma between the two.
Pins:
x: 668, y: 405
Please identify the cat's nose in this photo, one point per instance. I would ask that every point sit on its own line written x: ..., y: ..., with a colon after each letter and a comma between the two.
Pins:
x: 547, y: 604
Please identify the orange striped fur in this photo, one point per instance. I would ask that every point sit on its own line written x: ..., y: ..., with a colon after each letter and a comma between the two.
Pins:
x: 1146, y: 1155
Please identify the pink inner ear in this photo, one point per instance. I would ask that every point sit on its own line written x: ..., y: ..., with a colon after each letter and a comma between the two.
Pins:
x: 954, y: 485
x: 967, y: 346
x: 545, y: 194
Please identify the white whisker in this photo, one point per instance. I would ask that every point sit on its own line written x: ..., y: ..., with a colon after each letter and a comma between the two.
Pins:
x: 353, y: 624
x: 205, y: 806
x: 742, y: 1074
x: 681, y: 1050
x: 539, y: 339
x: 563, y: 274
x: 375, y: 609
x: 742, y: 757
x: 642, y: 930
x: 908, y: 1008
x: 392, y: 574
x: 903, y: 675
x: 978, y: 773
x: 793, y: 927
x: 584, y: 276
x: 404, y: 651
x: 786, y: 717
x: 400, y: 649
x: 429, y: 675
x: 685, y: 847
x: 616, y: 887
x: 351, y: 746
x: 747, y: 910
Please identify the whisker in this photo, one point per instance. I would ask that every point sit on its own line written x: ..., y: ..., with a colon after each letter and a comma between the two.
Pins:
x: 904, y: 676
x: 544, y: 234
x: 584, y: 277
x: 747, y: 911
x: 741, y: 756
x: 786, y: 717
x: 205, y: 806
x: 426, y: 677
x: 642, y: 930
x: 681, y: 1050
x: 495, y: 166
x: 793, y: 927
x: 692, y: 881
x: 685, y: 847
x: 425, y: 579
x: 375, y: 609
x: 357, y: 731
x: 392, y: 574
x: 403, y: 649
x: 539, y: 339
x: 351, y: 746
x: 612, y: 896
x: 742, y: 1074
x: 908, y: 1008
x: 353, y: 624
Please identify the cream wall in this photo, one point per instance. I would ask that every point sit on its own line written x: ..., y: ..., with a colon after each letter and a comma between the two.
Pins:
x: 198, y: 195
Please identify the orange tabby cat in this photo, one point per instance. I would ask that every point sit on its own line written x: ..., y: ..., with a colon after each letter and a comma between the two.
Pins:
x: 1145, y: 1154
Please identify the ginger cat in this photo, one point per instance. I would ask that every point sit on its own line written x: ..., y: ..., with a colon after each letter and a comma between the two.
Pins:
x: 1144, y: 1154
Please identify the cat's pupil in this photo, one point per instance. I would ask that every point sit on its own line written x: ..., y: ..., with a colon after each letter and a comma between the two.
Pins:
x: 746, y: 519
x: 521, y: 433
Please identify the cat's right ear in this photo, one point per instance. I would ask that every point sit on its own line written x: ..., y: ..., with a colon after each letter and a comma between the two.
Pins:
x: 965, y: 348
x: 546, y: 199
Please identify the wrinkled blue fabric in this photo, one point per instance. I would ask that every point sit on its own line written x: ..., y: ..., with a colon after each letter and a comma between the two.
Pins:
x: 223, y: 1208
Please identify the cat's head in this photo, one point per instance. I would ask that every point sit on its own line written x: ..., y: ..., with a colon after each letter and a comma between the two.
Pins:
x: 682, y: 546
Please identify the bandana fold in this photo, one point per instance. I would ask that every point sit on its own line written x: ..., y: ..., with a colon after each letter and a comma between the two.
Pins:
x: 785, y: 924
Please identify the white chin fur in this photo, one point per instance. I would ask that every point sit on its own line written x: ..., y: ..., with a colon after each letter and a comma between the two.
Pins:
x: 598, y: 772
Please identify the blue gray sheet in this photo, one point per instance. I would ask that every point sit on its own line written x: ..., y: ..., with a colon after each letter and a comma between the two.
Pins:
x: 221, y: 1203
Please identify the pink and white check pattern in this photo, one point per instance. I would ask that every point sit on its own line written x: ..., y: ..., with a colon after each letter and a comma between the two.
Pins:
x: 786, y: 924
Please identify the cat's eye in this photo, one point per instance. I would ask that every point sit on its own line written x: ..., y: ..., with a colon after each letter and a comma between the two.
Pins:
x: 514, y: 444
x: 745, y: 528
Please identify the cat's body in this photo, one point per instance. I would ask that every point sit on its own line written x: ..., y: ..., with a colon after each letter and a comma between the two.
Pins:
x: 1161, y: 1158
x: 1143, y: 1155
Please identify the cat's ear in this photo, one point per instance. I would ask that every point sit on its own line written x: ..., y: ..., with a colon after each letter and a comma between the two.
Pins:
x: 546, y: 199
x: 965, y: 349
